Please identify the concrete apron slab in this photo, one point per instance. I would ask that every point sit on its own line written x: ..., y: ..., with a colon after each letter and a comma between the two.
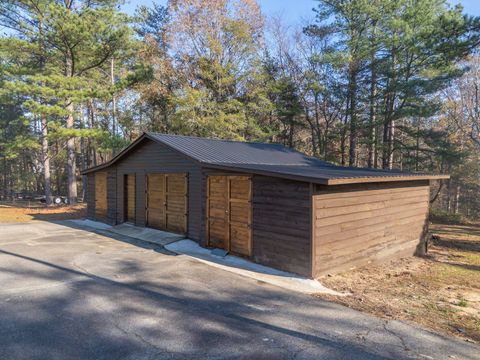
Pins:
x: 249, y: 269
x: 178, y: 244
x: 146, y: 234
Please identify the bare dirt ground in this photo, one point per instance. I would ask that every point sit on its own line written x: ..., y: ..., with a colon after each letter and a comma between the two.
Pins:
x: 23, y: 211
x: 440, y: 292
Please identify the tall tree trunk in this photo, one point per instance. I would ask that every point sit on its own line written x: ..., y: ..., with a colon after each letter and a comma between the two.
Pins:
x: 457, y: 199
x: 43, y: 122
x: 91, y: 110
x: 71, y: 163
x: 417, y: 147
x: 391, y: 145
x: 386, y: 130
x: 5, y: 178
x: 352, y: 88
x: 114, y: 100
x: 57, y: 172
x: 290, y: 132
x: 449, y: 196
x: 389, y: 124
x: 325, y: 142
x: 373, y: 94
x: 46, y: 161
x: 83, y: 164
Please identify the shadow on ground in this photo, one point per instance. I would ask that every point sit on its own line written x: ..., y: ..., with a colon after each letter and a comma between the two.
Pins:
x: 97, y: 317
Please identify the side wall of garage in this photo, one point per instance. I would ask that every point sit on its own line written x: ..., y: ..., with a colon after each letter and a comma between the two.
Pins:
x: 362, y: 223
x: 151, y: 157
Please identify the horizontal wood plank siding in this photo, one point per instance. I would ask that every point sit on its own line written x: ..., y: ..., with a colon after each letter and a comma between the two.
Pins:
x: 151, y: 157
x: 358, y: 224
x: 281, y: 224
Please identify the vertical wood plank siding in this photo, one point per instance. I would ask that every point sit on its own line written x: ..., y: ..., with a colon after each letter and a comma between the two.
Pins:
x: 111, y: 195
x: 282, y: 224
x: 362, y: 223
x: 151, y: 157
x: 91, y: 196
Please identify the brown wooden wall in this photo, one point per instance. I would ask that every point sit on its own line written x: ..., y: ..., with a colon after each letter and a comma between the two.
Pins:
x: 90, y: 196
x: 358, y: 224
x: 111, y: 195
x: 282, y: 224
x: 151, y: 157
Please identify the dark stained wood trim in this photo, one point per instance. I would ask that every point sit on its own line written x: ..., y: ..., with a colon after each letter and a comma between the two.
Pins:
x: 325, y: 181
x: 363, y: 180
x: 312, y: 230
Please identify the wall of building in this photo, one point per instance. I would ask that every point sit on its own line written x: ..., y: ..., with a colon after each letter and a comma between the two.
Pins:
x: 90, y: 196
x: 151, y: 157
x: 112, y: 195
x: 362, y: 223
x: 282, y: 224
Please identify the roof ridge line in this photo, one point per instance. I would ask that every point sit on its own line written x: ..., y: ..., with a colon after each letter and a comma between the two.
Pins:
x: 226, y: 140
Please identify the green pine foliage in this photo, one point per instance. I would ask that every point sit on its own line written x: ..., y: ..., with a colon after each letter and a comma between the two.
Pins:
x: 370, y: 83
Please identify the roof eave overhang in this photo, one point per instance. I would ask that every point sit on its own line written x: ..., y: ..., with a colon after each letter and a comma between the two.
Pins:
x: 326, y: 181
x: 371, y: 179
x: 264, y: 172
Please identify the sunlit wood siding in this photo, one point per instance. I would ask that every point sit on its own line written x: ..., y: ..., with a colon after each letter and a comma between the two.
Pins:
x: 362, y: 223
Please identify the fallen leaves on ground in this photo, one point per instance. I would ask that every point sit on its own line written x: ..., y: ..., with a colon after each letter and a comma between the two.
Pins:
x: 27, y: 211
x: 440, y: 291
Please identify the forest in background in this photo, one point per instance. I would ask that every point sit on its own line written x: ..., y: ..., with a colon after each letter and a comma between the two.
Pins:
x: 390, y: 84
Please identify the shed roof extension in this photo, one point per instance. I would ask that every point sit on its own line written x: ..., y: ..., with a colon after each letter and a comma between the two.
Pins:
x: 267, y: 159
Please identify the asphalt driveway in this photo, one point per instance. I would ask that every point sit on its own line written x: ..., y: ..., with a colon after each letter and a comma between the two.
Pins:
x: 68, y: 293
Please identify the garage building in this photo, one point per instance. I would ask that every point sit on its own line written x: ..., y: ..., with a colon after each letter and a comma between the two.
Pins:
x: 266, y: 202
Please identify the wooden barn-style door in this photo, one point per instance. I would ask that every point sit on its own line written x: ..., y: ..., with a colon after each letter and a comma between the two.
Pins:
x: 167, y: 202
x: 229, y: 213
x: 129, y: 198
x: 101, y: 196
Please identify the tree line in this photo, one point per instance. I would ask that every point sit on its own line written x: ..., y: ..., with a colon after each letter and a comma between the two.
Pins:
x: 389, y: 84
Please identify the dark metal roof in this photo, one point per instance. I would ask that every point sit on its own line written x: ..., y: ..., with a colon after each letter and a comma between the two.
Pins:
x: 331, y: 174
x: 216, y: 151
x: 268, y: 159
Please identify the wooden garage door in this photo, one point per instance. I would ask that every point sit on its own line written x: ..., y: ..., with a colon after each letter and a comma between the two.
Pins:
x: 229, y: 213
x: 130, y: 198
x: 101, y: 195
x: 167, y: 201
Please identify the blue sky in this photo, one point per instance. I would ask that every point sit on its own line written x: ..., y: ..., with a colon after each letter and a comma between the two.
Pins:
x: 295, y: 10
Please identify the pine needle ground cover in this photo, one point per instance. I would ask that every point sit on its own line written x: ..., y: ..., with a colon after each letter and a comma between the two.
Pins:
x: 28, y: 211
x: 440, y: 292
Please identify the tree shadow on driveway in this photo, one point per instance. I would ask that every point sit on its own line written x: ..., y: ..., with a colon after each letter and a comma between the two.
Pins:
x: 97, y: 317
x: 88, y: 297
